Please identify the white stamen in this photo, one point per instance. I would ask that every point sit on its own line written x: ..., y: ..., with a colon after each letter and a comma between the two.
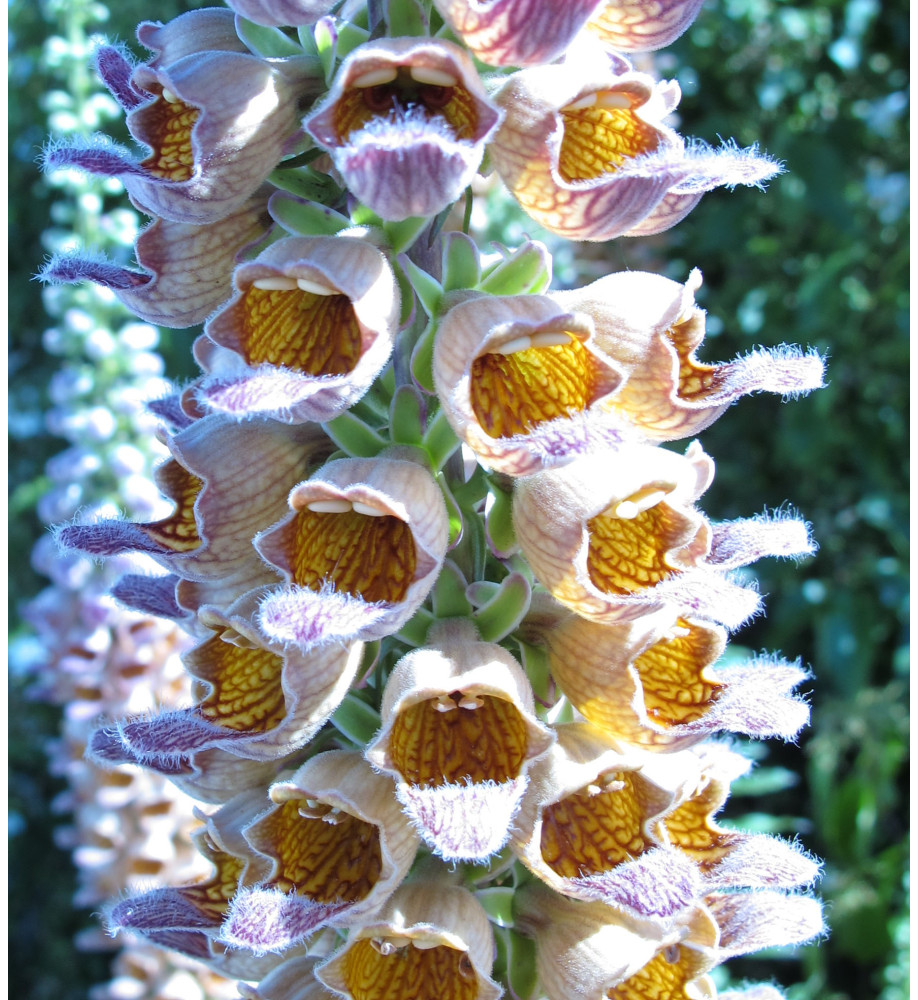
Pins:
x: 329, y: 506
x: 636, y: 504
x: 434, y: 77
x: 512, y: 346
x: 234, y: 638
x: 376, y: 77
x: 424, y: 944
x: 278, y: 284
x: 549, y: 338
x: 584, y: 102
x: 444, y: 704
x: 471, y: 702
x: 365, y: 508
x: 170, y: 97
x: 613, y: 101
x: 386, y: 946
x: 307, y: 285
x: 672, y: 954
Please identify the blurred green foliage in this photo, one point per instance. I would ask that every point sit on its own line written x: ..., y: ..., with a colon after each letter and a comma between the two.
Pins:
x: 821, y: 260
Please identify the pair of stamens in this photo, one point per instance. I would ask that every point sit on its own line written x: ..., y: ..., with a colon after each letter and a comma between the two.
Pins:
x: 457, y: 699
x: 390, y: 945
x: 526, y: 342
x: 335, y: 506
x: 639, y: 502
x: 284, y: 284
x: 601, y: 101
x: 424, y: 75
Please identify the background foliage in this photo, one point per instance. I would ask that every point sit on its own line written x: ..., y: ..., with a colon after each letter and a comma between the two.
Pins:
x: 821, y: 260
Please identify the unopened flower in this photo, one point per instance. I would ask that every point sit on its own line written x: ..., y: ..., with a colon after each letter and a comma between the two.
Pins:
x: 338, y: 846
x: 228, y: 480
x: 186, y: 268
x: 458, y: 734
x: 406, y: 123
x: 309, y: 327
x: 651, y: 327
x: 431, y: 940
x: 522, y: 382
x: 586, y: 153
x: 215, y: 117
x: 652, y: 682
x: 359, y: 551
x: 619, y: 539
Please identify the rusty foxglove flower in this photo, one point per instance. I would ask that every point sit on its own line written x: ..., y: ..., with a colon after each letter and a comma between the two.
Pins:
x: 589, y: 827
x: 459, y: 732
x: 586, y: 153
x: 186, y: 268
x: 228, y: 480
x: 214, y: 116
x: 187, y: 918
x: 591, y: 950
x: 359, y: 551
x: 311, y: 324
x: 431, y: 939
x: 651, y: 327
x: 406, y: 123
x: 522, y: 382
x: 652, y: 682
x: 616, y: 540
x: 338, y: 844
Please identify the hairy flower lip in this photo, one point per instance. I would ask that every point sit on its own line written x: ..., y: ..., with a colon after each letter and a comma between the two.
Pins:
x: 343, y: 265
x: 489, y: 324
x: 390, y: 144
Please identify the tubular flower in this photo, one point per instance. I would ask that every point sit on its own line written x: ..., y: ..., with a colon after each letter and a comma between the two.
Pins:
x: 589, y: 827
x: 402, y: 108
x: 226, y: 480
x: 186, y: 268
x: 585, y: 153
x: 651, y: 327
x: 338, y: 845
x: 278, y: 12
x: 360, y: 550
x: 523, y: 384
x: 430, y: 940
x: 652, y: 682
x: 215, y: 117
x: 187, y: 918
x: 590, y: 950
x: 254, y: 702
x: 458, y: 735
x: 642, y: 25
x: 617, y: 541
x: 308, y: 330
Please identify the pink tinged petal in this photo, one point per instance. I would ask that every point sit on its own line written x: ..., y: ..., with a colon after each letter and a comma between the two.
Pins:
x: 308, y: 618
x: 169, y: 410
x: 642, y: 25
x: 106, y: 749
x: 738, y: 543
x: 517, y: 32
x: 464, y: 822
x: 96, y: 155
x: 658, y: 885
x: 151, y: 595
x: 266, y: 920
x: 115, y: 68
x: 757, y: 700
x: 275, y: 13
x: 108, y: 538
x: 758, y: 861
x: 166, y: 918
x: 750, y: 921
x: 71, y: 268
x: 786, y: 370
x: 189, y: 34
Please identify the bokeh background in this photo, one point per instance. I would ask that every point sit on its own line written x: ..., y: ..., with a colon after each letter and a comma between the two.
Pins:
x: 820, y: 259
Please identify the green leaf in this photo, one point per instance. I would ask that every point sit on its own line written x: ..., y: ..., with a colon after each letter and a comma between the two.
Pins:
x: 428, y: 289
x: 270, y: 43
x: 440, y: 440
x: 526, y: 269
x: 414, y: 631
x: 406, y: 19
x: 326, y: 45
x: 461, y: 263
x: 499, y: 522
x: 309, y: 184
x: 405, y: 425
x: 354, y: 436
x: 356, y: 720
x: 449, y: 599
x: 521, y: 965
x: 402, y: 235
x: 349, y: 37
x: 497, y: 902
x: 422, y: 357
x: 535, y: 663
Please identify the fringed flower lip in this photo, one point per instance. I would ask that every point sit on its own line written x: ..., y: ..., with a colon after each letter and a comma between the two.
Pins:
x: 586, y: 153
x: 338, y: 846
x: 589, y: 949
x: 187, y: 918
x: 215, y: 119
x: 227, y: 479
x: 186, y: 268
x: 523, y: 383
x: 458, y: 735
x: 589, y: 827
x: 652, y: 683
x: 651, y: 327
x: 310, y: 325
x: 360, y: 550
x: 406, y: 122
x: 431, y: 939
